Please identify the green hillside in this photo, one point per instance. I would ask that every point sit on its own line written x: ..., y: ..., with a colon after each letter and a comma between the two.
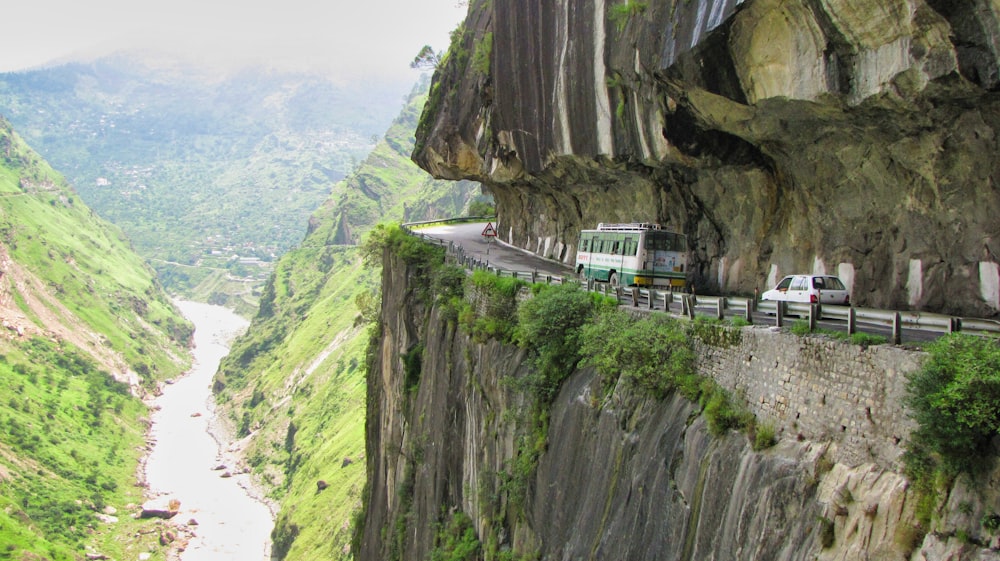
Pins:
x: 211, y: 176
x: 296, y: 380
x: 86, y: 330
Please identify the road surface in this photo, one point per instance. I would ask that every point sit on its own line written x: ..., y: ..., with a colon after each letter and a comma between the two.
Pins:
x: 496, y: 254
x: 491, y: 250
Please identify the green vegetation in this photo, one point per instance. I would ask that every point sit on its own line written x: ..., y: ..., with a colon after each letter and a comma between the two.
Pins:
x: 763, y: 436
x: 79, y: 308
x: 739, y: 321
x: 653, y: 353
x: 865, y: 339
x: 498, y: 297
x: 481, y: 56
x: 550, y: 327
x: 295, y: 381
x: 715, y: 332
x: 53, y: 483
x: 955, y: 400
x: 560, y: 327
x: 827, y: 536
x: 801, y: 328
x: 100, y: 284
x: 482, y: 208
x: 451, y: 66
x: 620, y: 14
x: 208, y: 175
x: 456, y: 540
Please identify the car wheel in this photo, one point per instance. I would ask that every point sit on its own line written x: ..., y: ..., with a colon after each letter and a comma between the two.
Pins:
x: 613, y: 280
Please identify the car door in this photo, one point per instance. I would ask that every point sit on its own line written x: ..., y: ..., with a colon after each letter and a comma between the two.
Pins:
x: 798, y: 291
x: 830, y: 289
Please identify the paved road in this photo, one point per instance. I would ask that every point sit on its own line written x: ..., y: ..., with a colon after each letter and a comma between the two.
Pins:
x: 491, y: 250
x: 496, y: 254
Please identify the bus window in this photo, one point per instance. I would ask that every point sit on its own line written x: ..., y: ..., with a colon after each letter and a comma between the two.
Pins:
x: 584, y: 244
x: 615, y: 247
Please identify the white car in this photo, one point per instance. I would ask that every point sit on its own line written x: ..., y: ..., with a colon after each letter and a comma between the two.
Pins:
x: 814, y: 289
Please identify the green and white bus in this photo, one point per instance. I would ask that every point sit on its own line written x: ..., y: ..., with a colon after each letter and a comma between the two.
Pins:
x: 636, y: 254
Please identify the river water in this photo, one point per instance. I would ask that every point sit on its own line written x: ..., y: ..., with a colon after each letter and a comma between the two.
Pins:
x: 231, y: 523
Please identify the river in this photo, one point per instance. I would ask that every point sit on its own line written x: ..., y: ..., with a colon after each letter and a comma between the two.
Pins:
x: 231, y: 523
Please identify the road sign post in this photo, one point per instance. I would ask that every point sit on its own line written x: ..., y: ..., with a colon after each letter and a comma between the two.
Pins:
x: 489, y: 232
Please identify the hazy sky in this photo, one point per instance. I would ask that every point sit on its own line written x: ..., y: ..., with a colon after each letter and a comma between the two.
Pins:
x: 377, y: 35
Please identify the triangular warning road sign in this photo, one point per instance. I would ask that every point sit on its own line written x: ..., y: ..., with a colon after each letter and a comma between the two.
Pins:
x: 489, y: 231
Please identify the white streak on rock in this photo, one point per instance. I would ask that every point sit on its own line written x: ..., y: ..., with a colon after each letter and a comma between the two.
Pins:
x: 989, y: 283
x: 915, y: 281
x: 563, y: 144
x: 604, y: 138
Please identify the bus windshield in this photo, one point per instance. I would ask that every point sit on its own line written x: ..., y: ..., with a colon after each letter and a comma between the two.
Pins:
x: 665, y: 241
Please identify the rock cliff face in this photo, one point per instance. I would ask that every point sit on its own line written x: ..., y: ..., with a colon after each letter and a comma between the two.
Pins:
x: 629, y: 477
x: 841, y: 136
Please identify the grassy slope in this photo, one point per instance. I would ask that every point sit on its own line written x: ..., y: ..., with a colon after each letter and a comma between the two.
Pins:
x: 80, y: 309
x: 296, y: 378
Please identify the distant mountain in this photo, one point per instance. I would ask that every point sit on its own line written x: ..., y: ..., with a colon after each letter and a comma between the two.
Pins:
x: 86, y: 331
x: 207, y: 174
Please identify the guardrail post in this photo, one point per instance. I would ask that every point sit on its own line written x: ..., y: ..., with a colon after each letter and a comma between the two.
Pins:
x: 548, y: 279
x: 684, y: 305
x: 651, y: 301
x: 690, y: 305
x: 813, y: 314
x: 748, y: 310
x: 779, y: 314
x: 720, y: 305
x: 954, y: 325
x: 534, y: 277
x: 852, y: 321
x: 635, y: 297
x: 897, y: 329
x: 618, y: 293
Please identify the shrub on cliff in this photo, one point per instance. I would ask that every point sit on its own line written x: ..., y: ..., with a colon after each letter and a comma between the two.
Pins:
x: 495, y: 315
x: 653, y: 352
x: 955, y: 400
x: 425, y: 260
x: 549, y: 325
x: 389, y: 235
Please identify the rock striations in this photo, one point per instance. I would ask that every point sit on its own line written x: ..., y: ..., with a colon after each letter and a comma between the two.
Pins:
x: 840, y: 136
x: 617, y: 475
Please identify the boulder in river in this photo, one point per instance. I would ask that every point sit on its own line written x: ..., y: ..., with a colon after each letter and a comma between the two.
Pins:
x: 160, y: 508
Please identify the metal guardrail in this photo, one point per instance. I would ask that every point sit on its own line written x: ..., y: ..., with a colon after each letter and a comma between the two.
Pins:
x: 691, y: 305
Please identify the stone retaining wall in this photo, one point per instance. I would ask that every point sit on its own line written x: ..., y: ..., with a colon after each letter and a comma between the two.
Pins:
x: 820, y: 389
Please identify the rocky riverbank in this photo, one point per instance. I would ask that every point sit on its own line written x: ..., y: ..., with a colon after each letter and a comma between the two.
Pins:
x: 197, y: 483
